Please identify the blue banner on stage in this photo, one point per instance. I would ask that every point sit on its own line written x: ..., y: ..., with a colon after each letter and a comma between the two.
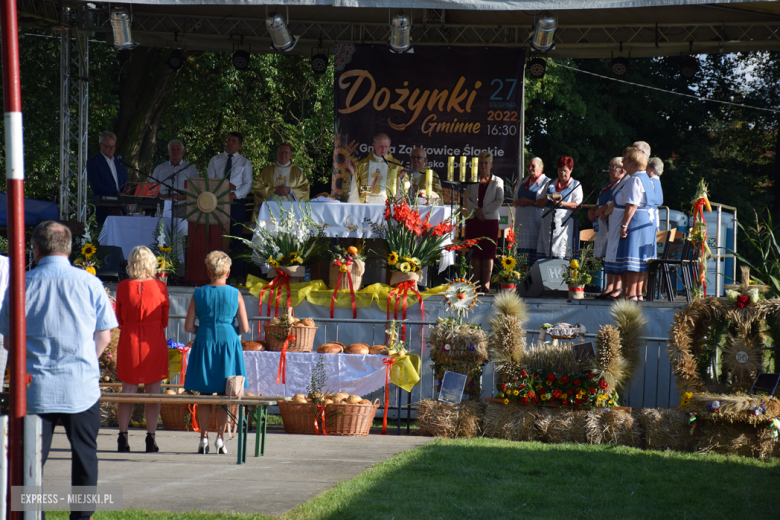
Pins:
x: 451, y: 101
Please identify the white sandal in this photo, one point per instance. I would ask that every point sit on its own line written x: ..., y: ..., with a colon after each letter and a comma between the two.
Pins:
x: 203, y: 445
x: 219, y: 445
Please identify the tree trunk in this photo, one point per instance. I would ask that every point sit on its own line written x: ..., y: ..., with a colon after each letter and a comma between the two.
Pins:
x: 145, y: 83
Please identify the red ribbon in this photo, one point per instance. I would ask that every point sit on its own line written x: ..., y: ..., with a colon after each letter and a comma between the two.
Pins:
x: 283, y: 361
x: 576, y: 289
x: 388, y: 363
x: 183, y: 371
x: 396, y: 291
x: 506, y: 287
x: 320, y: 410
x: 282, y: 280
x: 351, y: 291
x: 193, y: 410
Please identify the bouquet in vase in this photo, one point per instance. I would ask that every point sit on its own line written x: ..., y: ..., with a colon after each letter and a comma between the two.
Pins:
x: 582, y: 271
x: 168, y: 248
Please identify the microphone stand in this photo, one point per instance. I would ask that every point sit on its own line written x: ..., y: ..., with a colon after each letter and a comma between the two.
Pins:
x: 574, y: 212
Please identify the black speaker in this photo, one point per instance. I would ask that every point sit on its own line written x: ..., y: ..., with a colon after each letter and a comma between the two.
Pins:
x: 544, y: 279
x: 113, y: 263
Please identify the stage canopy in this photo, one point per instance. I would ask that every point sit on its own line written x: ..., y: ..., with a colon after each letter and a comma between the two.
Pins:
x: 586, y: 28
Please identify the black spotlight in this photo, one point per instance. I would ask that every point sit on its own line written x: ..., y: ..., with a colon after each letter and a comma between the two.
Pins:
x: 319, y: 63
x: 176, y: 60
x: 619, y: 67
x: 689, y: 66
x: 241, y: 59
x: 536, y: 68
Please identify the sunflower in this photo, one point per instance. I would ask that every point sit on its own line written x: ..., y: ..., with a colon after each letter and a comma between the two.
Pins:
x: 273, y: 263
x: 405, y: 267
x: 392, y: 258
x: 508, y: 262
x: 297, y: 260
x: 91, y: 270
x: 161, y: 264
x: 88, y: 250
x: 293, y: 256
x: 165, y: 249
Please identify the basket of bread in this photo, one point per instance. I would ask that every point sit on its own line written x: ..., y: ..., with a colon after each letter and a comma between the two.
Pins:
x: 345, y: 415
x: 278, y: 329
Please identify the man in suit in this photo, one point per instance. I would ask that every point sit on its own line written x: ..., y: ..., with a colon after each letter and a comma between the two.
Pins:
x: 106, y: 172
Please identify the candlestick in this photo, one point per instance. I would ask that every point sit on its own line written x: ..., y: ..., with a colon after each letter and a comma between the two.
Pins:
x: 462, y: 173
x: 450, y: 168
x: 474, y: 169
x: 428, y: 183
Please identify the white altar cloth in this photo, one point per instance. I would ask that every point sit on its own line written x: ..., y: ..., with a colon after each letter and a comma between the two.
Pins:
x: 352, y: 373
x: 128, y: 232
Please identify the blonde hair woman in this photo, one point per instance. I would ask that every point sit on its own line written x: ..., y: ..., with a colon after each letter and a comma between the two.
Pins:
x: 216, y: 352
x: 484, y: 199
x: 142, y: 307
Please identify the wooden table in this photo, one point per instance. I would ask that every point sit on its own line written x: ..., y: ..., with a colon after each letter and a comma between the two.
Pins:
x: 260, y: 405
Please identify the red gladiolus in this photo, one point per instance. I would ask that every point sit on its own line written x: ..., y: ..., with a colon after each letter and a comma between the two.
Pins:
x: 564, y: 379
x: 510, y: 237
x: 592, y: 390
x: 576, y: 382
x: 557, y: 393
x: 603, y: 384
x: 551, y: 377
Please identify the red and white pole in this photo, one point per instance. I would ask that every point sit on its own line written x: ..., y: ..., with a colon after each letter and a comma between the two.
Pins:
x: 14, y: 170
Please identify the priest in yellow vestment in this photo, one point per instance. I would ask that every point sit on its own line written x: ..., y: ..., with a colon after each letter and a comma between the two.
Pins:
x: 282, y: 179
x: 372, y: 177
x: 413, y: 179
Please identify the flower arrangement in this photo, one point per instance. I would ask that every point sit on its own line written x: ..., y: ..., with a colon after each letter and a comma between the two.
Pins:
x: 535, y: 386
x: 292, y: 240
x: 343, y: 257
x: 167, y: 247
x: 698, y: 236
x: 395, y: 346
x: 86, y: 256
x: 513, y: 267
x: 412, y: 242
x: 581, y: 272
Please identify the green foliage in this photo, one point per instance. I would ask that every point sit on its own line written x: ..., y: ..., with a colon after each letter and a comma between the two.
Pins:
x: 764, y: 245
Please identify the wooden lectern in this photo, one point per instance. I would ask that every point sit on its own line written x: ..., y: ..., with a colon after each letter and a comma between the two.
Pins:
x: 208, y: 214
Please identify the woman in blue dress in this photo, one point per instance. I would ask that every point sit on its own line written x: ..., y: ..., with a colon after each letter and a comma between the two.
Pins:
x: 600, y: 221
x: 528, y: 218
x: 637, y: 229
x: 655, y: 168
x: 216, y: 352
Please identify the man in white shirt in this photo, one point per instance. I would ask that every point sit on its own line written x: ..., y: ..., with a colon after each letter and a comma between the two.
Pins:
x: 238, y: 169
x: 174, y: 172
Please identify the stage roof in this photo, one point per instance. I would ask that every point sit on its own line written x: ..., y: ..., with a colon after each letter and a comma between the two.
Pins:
x: 586, y: 28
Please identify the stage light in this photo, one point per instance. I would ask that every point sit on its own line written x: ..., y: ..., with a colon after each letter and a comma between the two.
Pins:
x: 400, y: 39
x: 689, y: 66
x: 537, y: 67
x: 542, y: 40
x: 176, y: 60
x: 120, y: 25
x: 619, y: 67
x: 319, y: 63
x: 280, y: 35
x: 241, y: 59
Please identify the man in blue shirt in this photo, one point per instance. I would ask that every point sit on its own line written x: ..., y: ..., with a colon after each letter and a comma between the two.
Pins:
x: 69, y: 322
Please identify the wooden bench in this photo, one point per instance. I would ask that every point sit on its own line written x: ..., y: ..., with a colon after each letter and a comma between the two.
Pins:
x: 246, y: 405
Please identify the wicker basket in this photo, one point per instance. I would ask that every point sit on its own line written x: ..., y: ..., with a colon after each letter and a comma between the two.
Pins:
x: 304, y: 336
x: 357, y: 269
x: 352, y: 420
x: 178, y: 417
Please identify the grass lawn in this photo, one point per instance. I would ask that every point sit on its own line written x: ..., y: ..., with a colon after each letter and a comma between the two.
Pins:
x: 487, y: 479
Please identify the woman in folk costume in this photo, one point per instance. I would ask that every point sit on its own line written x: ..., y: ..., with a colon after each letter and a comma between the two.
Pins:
x: 565, y: 237
x: 528, y: 217
x: 636, y: 244
x: 600, y: 220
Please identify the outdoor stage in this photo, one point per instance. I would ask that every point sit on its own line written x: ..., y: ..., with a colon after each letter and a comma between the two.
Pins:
x: 652, y: 386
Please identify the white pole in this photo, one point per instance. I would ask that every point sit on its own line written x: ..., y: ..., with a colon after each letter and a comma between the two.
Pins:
x: 4, y: 465
x: 33, y: 467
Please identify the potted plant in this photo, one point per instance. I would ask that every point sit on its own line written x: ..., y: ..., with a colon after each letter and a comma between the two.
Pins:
x: 579, y: 273
x: 511, y: 266
x: 168, y: 248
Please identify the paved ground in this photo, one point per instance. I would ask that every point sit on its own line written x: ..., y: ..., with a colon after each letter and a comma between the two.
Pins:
x: 295, y: 468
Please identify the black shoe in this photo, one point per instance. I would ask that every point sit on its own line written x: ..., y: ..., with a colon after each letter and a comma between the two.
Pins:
x: 121, y: 442
x: 151, y: 444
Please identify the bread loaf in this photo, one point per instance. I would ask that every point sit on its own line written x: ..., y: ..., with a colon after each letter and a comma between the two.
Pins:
x: 340, y: 396
x: 308, y: 322
x: 357, y: 348
x: 252, y: 346
x: 354, y: 399
x: 330, y: 348
x: 377, y: 349
x: 365, y: 401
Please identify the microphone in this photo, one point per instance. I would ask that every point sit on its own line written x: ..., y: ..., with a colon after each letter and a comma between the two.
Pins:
x: 392, y: 162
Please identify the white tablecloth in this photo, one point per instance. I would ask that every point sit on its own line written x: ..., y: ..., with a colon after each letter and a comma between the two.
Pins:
x: 128, y: 232
x: 351, y: 373
x: 352, y: 220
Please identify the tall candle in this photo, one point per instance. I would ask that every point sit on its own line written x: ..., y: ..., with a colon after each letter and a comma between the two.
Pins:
x: 462, y: 173
x: 450, y: 167
x: 474, y: 169
x: 428, y: 183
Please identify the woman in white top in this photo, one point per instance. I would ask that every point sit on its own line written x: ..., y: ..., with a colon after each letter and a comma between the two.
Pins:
x: 483, y: 201
x: 565, y: 237
x: 600, y: 219
x: 528, y: 218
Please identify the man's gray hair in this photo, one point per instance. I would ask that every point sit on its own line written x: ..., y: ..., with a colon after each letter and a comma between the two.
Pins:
x: 541, y: 162
x: 413, y: 148
x: 656, y: 164
x: 175, y: 141
x: 107, y: 134
x: 380, y: 135
x: 643, y: 147
x: 51, y: 238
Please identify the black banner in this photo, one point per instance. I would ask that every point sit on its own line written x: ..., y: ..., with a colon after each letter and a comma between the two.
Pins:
x: 451, y: 101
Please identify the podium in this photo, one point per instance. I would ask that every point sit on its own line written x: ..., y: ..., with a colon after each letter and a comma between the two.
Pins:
x: 208, y: 213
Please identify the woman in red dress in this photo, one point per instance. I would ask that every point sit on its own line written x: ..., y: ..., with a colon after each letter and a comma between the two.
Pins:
x: 484, y: 200
x: 142, y: 354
